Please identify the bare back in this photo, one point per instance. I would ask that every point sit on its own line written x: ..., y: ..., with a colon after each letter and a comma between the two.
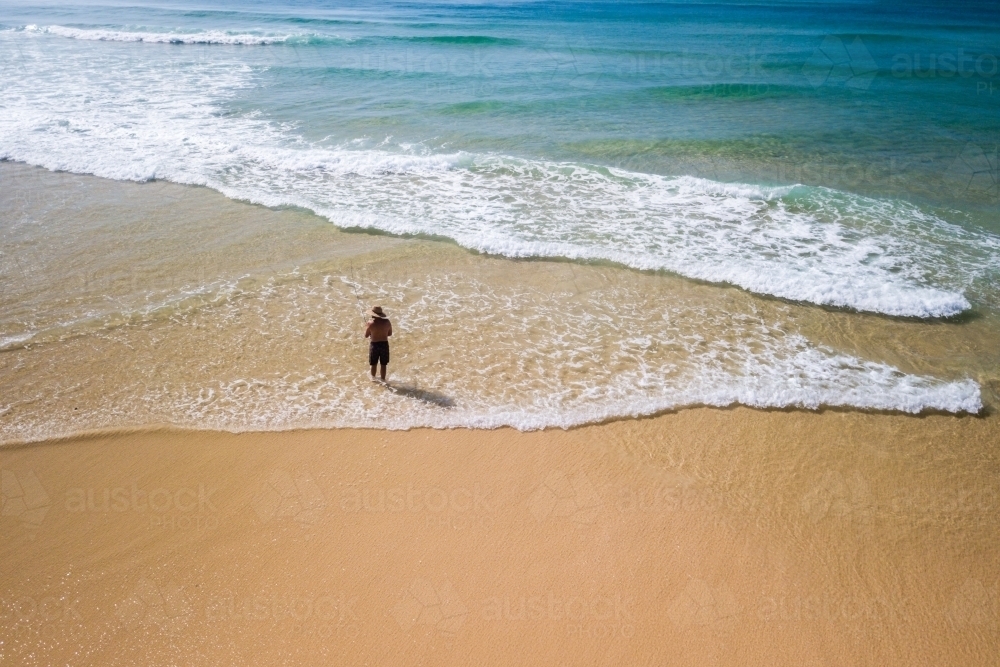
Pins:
x: 378, y: 330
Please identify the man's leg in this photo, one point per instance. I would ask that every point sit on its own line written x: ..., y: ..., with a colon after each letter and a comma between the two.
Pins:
x: 383, y: 371
x: 374, y: 366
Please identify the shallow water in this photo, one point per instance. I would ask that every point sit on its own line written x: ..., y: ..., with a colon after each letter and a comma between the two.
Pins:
x: 773, y: 206
x: 172, y: 304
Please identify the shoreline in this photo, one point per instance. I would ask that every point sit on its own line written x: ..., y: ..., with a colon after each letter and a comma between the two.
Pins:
x: 265, y: 307
x: 986, y: 412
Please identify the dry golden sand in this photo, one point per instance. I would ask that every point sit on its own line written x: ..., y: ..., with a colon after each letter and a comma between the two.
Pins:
x: 700, y: 537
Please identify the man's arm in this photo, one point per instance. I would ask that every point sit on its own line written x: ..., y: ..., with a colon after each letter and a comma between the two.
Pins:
x: 390, y: 330
x: 368, y: 330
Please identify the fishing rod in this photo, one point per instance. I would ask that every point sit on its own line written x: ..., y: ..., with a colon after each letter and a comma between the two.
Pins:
x: 354, y: 288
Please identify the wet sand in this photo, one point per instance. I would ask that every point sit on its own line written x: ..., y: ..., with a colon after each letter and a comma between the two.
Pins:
x: 702, y: 537
x: 127, y: 304
x: 696, y: 537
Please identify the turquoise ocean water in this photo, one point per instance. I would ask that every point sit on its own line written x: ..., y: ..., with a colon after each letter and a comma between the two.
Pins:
x: 837, y: 154
x: 843, y: 154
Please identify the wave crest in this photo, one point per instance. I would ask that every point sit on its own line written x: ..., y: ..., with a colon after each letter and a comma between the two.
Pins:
x: 800, y: 243
x: 200, y: 37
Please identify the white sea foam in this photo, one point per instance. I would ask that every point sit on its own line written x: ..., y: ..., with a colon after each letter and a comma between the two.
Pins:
x: 821, y: 246
x: 319, y: 402
x: 198, y: 37
x: 807, y: 244
x: 139, y: 119
x: 15, y: 341
x: 459, y: 379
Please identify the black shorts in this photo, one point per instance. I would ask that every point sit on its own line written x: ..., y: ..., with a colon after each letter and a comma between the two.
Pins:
x: 378, y: 352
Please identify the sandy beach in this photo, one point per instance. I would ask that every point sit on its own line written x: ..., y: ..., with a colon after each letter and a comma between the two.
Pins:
x: 703, y: 537
x: 695, y: 353
x: 699, y: 536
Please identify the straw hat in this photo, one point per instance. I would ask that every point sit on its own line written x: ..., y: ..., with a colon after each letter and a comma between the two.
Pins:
x: 377, y: 312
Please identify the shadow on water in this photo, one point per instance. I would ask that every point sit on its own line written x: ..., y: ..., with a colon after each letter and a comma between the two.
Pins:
x: 423, y: 395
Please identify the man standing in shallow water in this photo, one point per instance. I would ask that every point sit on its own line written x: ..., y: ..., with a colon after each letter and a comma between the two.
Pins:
x: 379, y: 330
